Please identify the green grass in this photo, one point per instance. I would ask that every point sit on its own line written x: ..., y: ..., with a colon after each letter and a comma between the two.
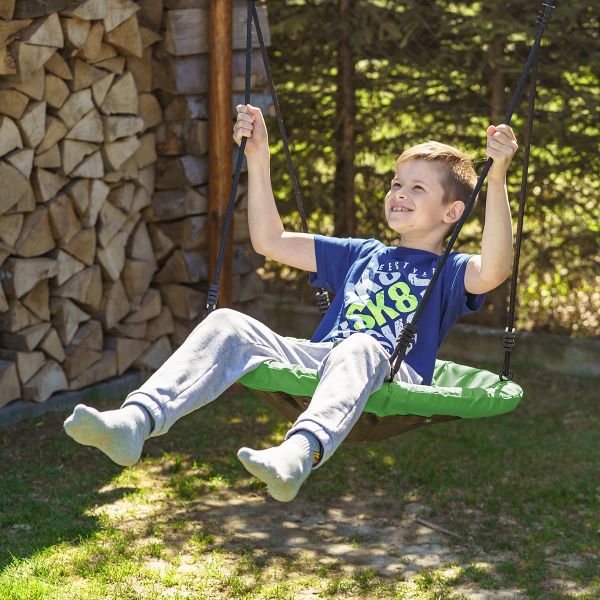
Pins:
x: 520, y: 491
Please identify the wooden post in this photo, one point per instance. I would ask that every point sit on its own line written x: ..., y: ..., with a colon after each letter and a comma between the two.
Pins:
x: 220, y: 133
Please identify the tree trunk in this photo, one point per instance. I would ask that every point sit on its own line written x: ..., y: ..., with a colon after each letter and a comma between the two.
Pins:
x: 343, y: 189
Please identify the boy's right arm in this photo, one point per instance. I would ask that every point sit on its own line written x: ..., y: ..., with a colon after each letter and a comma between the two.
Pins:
x: 267, y: 233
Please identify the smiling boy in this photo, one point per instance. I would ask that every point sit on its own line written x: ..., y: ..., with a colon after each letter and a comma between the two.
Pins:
x: 377, y: 289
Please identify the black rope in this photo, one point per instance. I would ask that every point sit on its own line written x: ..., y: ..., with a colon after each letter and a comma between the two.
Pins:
x: 405, y: 339
x: 321, y: 295
x: 213, y: 292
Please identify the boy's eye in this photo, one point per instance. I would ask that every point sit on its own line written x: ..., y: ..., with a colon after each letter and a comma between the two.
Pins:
x: 418, y: 187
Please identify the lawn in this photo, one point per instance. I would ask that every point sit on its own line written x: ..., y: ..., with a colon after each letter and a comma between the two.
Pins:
x: 495, y: 508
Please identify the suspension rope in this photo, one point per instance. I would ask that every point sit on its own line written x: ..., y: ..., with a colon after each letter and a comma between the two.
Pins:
x: 321, y: 295
x: 409, y: 331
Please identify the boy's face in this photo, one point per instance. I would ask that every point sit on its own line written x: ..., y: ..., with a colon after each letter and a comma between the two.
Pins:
x: 415, y: 202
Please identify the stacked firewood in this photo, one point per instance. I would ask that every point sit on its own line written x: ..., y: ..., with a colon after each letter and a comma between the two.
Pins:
x: 102, y: 238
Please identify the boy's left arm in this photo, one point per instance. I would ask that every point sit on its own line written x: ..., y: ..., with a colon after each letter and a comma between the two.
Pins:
x: 489, y: 269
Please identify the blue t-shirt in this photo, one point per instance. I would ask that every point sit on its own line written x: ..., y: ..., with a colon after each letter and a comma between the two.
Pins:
x: 377, y: 289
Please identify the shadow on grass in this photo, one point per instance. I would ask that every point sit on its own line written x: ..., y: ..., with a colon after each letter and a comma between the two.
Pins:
x: 516, y: 490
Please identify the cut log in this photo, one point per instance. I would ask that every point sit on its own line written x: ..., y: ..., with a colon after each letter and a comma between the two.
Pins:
x: 145, y: 155
x: 162, y: 245
x: 59, y: 67
x: 78, y: 359
x: 190, y: 233
x: 13, y: 103
x: 24, y: 274
x: 85, y: 288
x: 183, y: 302
x: 93, y: 44
x: 98, y: 193
x: 37, y: 301
x: 122, y: 97
x: 45, y: 33
x: 115, y: 65
x: 34, y: 85
x: 23, y: 162
x: 92, y: 167
x: 139, y: 246
x: 101, y: 370
x: 52, y: 346
x: 10, y: 228
x: 48, y: 380
x: 85, y: 75
x: 126, y: 37
x: 147, y: 177
x: 89, y: 10
x: 128, y: 351
x: 183, y: 267
x: 141, y: 69
x: 14, y: 186
x: 76, y: 107
x: 17, y: 317
x: 88, y: 129
x: 10, y: 388
x: 183, y: 328
x: 175, y: 204
x: 136, y: 331
x: 115, y: 304
x: 3, y: 301
x: 36, y: 236
x: 100, y: 88
x: 149, y: 37
x: 141, y: 199
x: 122, y: 197
x: 161, y: 325
x: 7, y: 10
x: 25, y: 340
x: 30, y: 58
x: 76, y: 31
x: 120, y: 127
x: 27, y: 363
x: 64, y: 221
x: 47, y: 184
x: 73, y: 153
x: 118, y: 12
x: 120, y: 151
x: 110, y: 220
x: 89, y: 335
x: 37, y: 8
x: 151, y: 13
x: 33, y: 124
x: 155, y: 356
x: 10, y: 138
x: 66, y: 317
x: 149, y: 111
x: 150, y: 308
x: 136, y: 276
x: 56, y: 91
x: 83, y: 246
x: 49, y: 159
x: 67, y: 266
x: 55, y: 131
x: 112, y: 258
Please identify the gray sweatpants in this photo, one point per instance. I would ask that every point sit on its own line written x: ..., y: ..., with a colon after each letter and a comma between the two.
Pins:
x: 228, y: 344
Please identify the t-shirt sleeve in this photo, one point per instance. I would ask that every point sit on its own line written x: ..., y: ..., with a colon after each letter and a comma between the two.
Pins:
x: 334, y: 258
x: 459, y: 300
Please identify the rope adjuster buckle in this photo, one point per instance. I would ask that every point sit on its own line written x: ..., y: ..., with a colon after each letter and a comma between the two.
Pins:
x: 508, y: 339
x: 545, y: 13
x: 322, y: 300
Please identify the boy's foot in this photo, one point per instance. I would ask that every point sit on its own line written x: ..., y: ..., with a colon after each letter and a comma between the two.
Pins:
x: 283, y: 468
x: 120, y: 434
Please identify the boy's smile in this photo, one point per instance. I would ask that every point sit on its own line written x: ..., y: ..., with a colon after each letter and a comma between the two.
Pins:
x: 415, y: 207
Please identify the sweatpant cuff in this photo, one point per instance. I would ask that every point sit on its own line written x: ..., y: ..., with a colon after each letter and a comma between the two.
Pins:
x: 151, y: 406
x: 323, y: 437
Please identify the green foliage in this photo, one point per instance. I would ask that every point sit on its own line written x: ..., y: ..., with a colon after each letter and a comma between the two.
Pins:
x: 426, y: 70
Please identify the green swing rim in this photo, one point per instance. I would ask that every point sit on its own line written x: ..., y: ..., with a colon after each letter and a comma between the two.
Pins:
x: 457, y: 390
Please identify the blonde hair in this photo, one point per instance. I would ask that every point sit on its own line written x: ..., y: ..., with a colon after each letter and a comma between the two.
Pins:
x: 459, y: 175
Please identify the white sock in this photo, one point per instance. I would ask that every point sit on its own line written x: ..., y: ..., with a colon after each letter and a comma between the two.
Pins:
x: 120, y: 433
x: 283, y: 468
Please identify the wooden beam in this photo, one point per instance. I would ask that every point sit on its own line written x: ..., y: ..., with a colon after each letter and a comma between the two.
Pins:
x: 220, y: 140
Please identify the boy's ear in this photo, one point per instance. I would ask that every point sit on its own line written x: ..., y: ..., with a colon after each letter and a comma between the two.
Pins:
x: 454, y: 211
